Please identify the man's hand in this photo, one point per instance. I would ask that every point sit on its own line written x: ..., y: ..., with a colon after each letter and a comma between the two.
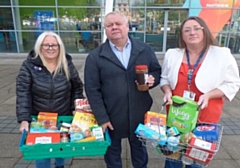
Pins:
x: 107, y: 125
x: 151, y: 80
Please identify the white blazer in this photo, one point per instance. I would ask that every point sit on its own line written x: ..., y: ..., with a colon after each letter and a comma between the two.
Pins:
x: 218, y: 70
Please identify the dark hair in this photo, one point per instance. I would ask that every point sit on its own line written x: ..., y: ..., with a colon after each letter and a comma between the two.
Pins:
x: 207, y: 35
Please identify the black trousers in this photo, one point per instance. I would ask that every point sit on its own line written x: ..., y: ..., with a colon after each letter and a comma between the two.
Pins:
x: 138, y: 151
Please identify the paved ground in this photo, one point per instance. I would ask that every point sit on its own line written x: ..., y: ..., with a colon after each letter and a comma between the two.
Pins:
x: 10, y: 157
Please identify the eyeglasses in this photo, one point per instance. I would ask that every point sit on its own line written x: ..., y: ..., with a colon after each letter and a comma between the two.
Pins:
x: 195, y: 29
x: 47, y: 46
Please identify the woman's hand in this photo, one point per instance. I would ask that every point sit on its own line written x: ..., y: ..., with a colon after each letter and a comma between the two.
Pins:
x: 168, y: 97
x: 203, y: 99
x: 167, y: 94
x: 24, y: 126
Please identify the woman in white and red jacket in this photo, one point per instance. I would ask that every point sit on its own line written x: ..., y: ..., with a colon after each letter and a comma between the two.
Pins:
x: 201, y: 68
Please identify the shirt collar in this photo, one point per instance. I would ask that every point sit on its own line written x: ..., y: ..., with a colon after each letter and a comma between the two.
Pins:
x: 113, y: 46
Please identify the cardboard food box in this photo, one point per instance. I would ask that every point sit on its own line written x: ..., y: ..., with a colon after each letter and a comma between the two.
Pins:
x: 82, y: 105
x: 182, y: 114
x: 48, y: 119
x: 207, y: 132
x: 43, y: 138
x: 151, y: 135
x: 200, y: 150
x: 82, y: 122
x: 154, y: 118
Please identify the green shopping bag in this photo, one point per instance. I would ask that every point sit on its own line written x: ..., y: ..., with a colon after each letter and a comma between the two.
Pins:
x: 183, y: 114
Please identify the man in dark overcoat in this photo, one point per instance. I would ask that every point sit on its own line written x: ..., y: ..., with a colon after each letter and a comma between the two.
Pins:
x: 111, y: 88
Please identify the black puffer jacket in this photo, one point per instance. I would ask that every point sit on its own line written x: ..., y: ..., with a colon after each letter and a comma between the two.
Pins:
x: 37, y: 90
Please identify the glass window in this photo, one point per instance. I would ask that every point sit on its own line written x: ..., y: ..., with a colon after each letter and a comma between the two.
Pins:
x: 34, y: 2
x: 79, y: 3
x: 234, y: 42
x: 83, y: 42
x: 175, y: 18
x: 5, y: 2
x: 234, y: 35
x: 154, y: 28
x: 7, y: 41
x: 6, y: 20
x: 7, y: 36
x: 79, y: 19
x: 27, y: 41
x: 124, y: 3
x: 36, y: 18
x: 165, y: 2
x: 85, y: 24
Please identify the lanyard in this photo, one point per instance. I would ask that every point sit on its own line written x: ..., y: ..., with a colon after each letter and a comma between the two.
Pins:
x: 190, y: 69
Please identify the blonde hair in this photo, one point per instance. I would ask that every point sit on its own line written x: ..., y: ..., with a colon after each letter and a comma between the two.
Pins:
x: 61, y: 59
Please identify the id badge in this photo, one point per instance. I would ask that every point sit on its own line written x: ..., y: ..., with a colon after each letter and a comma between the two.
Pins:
x: 189, y: 95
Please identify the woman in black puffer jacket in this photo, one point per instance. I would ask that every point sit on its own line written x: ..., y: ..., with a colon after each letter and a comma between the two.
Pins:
x: 47, y: 82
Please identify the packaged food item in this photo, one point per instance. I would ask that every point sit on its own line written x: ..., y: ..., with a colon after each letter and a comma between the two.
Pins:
x: 42, y: 130
x: 43, y: 138
x: 88, y: 139
x: 149, y: 134
x: 183, y: 114
x: 142, y: 77
x: 172, y: 131
x: 207, y: 132
x: 172, y: 143
x: 82, y: 122
x: 82, y: 105
x: 185, y: 138
x: 161, y: 129
x: 64, y: 137
x: 48, y: 119
x: 98, y: 133
x: 76, y: 136
x: 36, y: 124
x: 65, y: 127
x: 154, y: 118
x: 200, y: 150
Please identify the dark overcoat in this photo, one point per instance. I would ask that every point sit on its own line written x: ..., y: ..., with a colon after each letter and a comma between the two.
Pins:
x: 111, y: 88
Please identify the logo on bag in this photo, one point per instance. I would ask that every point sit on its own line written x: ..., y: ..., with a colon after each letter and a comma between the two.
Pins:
x: 177, y: 112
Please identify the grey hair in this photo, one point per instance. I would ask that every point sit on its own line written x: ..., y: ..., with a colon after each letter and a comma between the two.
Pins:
x: 117, y: 13
x: 61, y: 59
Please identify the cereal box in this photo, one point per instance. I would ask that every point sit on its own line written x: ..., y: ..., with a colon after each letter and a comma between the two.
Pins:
x: 82, y: 122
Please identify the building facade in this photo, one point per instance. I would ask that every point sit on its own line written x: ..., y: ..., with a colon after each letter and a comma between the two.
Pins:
x: 79, y: 22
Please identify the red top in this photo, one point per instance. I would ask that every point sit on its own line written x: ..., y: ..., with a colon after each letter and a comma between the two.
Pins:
x: 213, y: 112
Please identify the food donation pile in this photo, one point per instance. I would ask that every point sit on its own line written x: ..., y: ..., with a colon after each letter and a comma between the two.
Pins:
x: 179, y: 134
x: 83, y: 127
